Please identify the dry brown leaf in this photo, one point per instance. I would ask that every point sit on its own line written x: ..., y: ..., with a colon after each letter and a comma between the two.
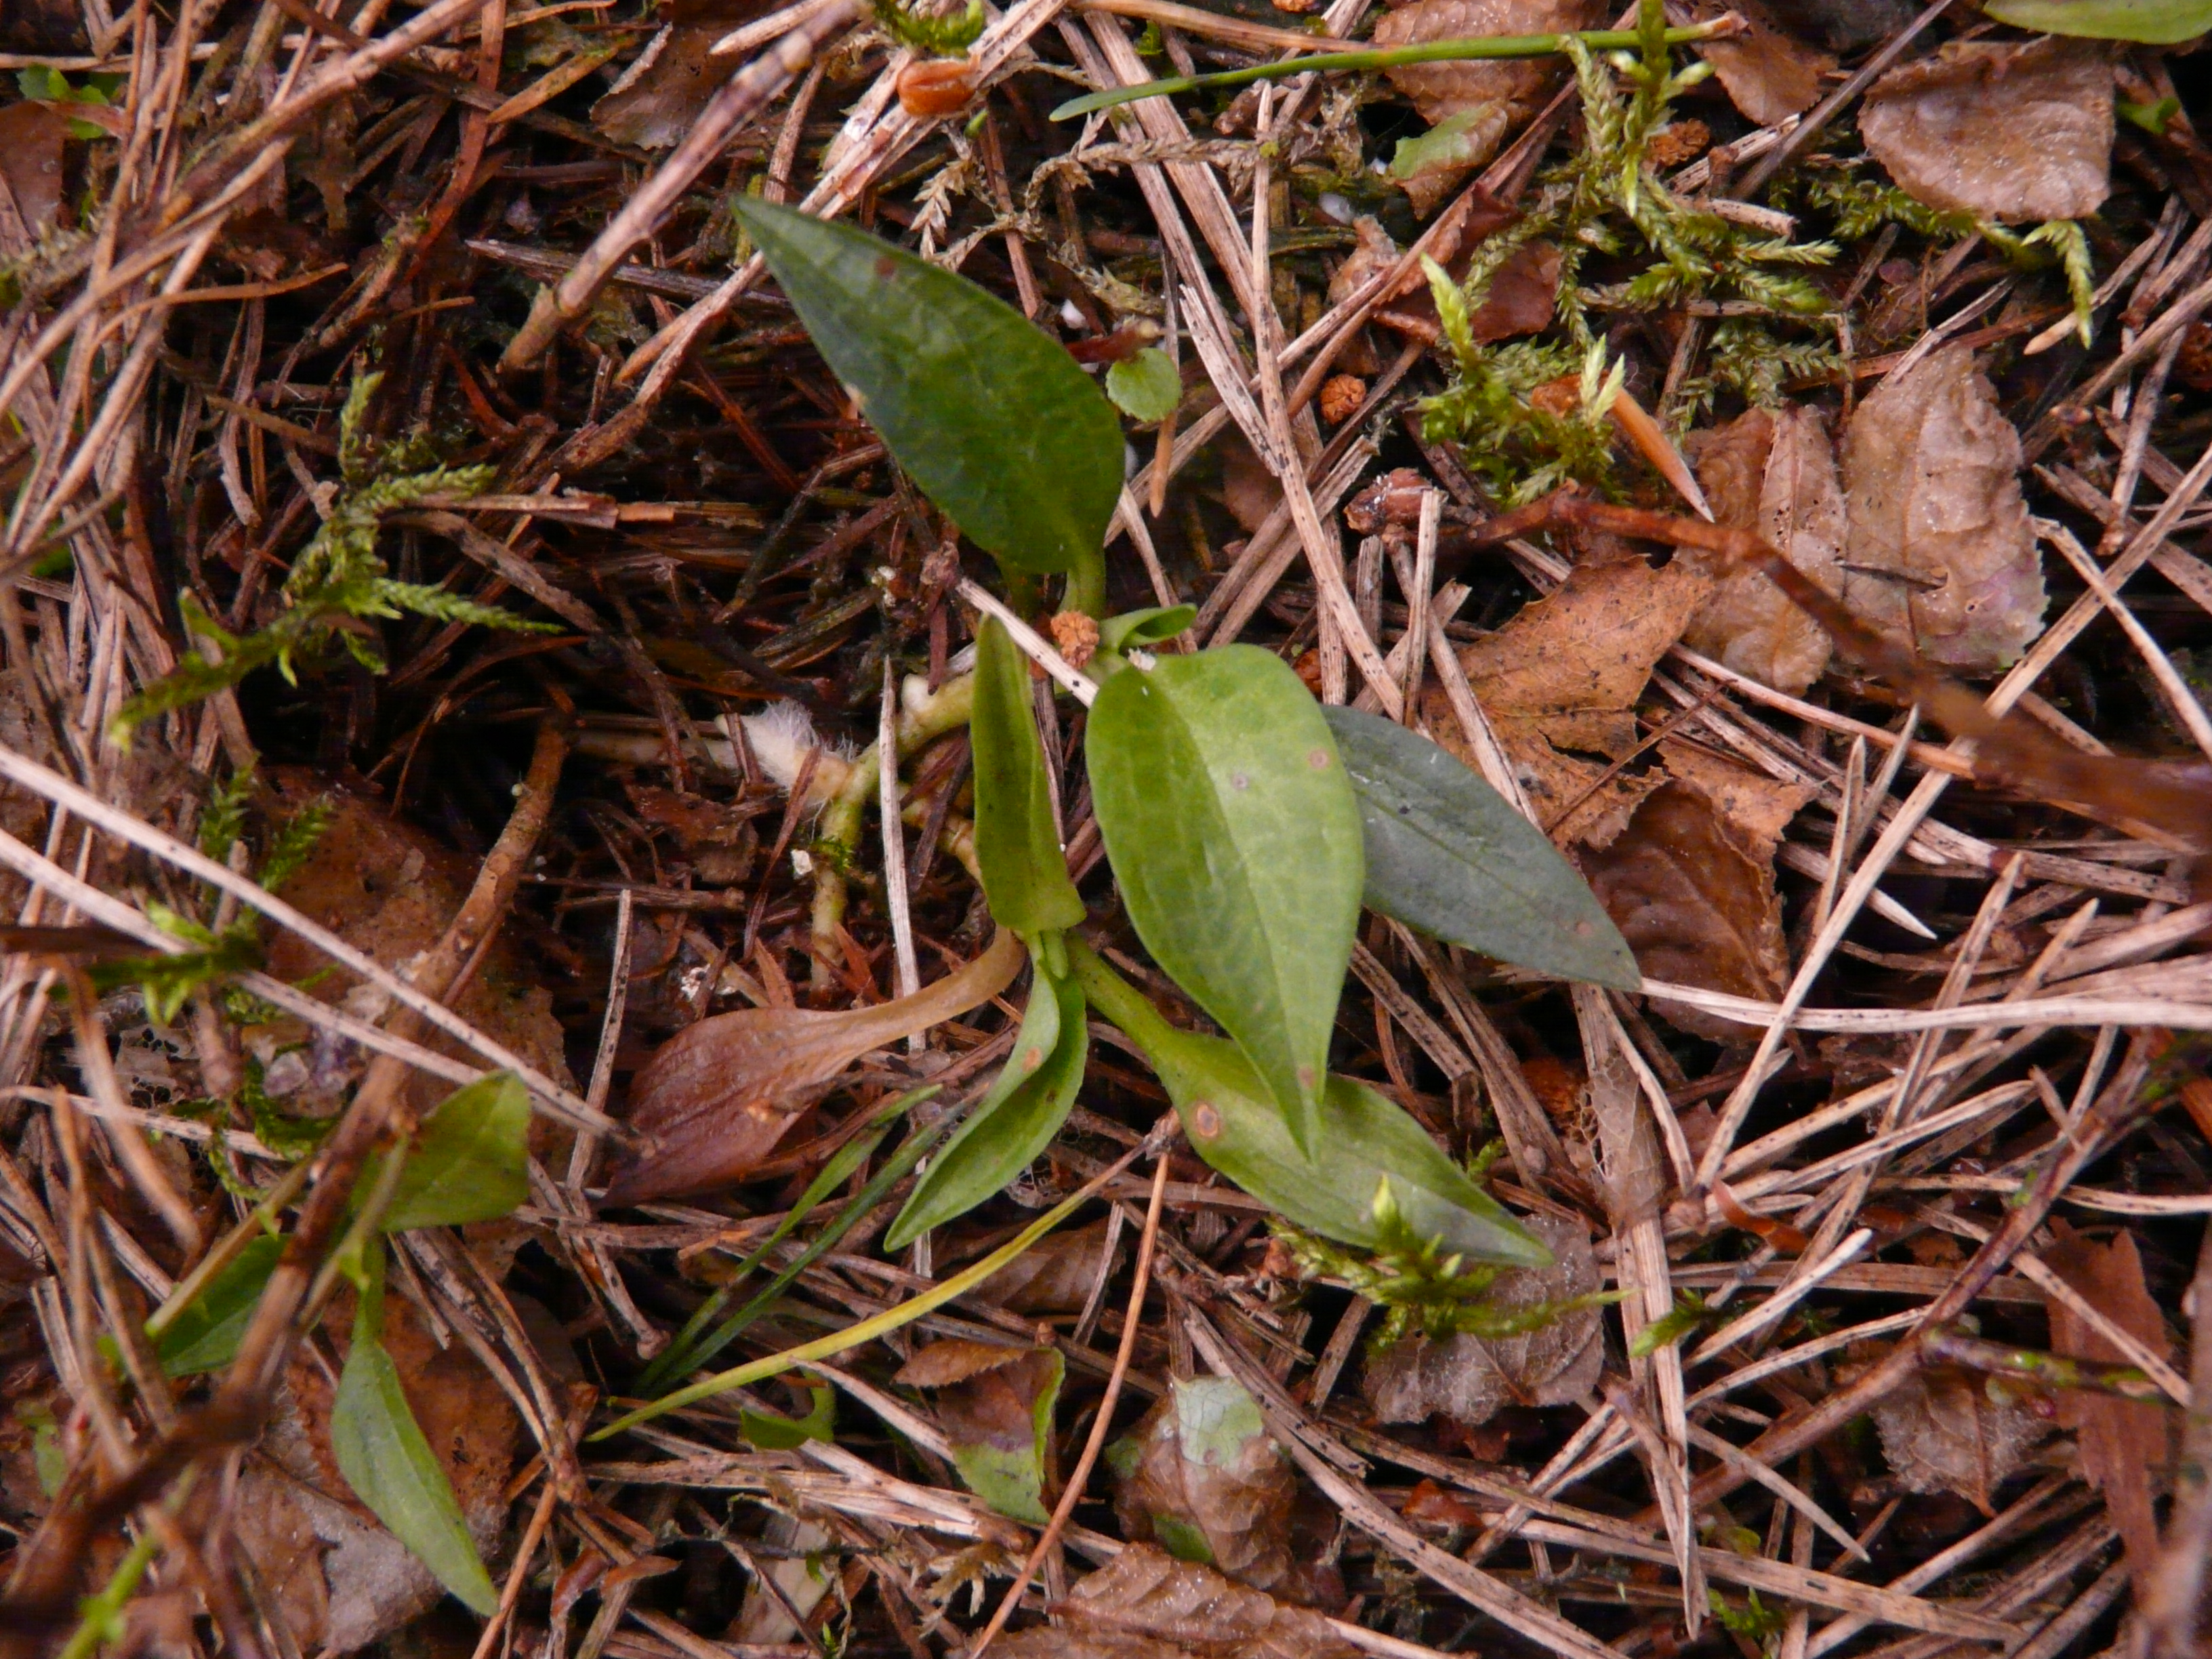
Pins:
x: 1776, y: 475
x: 1521, y: 298
x: 42, y: 26
x: 1470, y: 1379
x: 1441, y: 91
x: 1942, y: 1431
x: 2125, y: 1442
x: 1144, y: 1604
x: 1054, y: 1275
x: 1937, y: 548
x: 713, y: 1101
x: 1768, y: 74
x: 1201, y: 1475
x: 31, y: 138
x: 656, y: 101
x: 2010, y: 131
x: 1695, y: 901
x: 1756, y: 808
x: 942, y: 1364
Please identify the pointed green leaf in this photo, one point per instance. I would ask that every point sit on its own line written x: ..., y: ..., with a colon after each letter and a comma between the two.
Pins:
x: 470, y: 1159
x: 769, y: 1432
x: 1155, y: 625
x: 1446, y: 853
x: 1018, y: 1118
x: 382, y: 1454
x: 1363, y: 1140
x: 1025, y: 872
x: 1146, y: 388
x: 993, y: 420
x: 2154, y: 23
x: 1235, y: 837
x: 204, y: 1334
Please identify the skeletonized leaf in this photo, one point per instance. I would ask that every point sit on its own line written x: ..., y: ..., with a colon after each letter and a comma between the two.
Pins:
x: 1942, y: 1431
x: 204, y: 1334
x: 1201, y: 1475
x: 381, y: 1452
x: 1024, y: 872
x: 1448, y: 854
x: 2154, y: 23
x: 995, y: 421
x: 469, y: 1161
x: 1470, y: 1378
x: 1236, y: 840
x: 1016, y: 1119
x: 1937, y: 546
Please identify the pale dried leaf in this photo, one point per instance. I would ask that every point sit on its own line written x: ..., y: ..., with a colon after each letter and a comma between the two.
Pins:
x: 955, y: 1359
x: 1756, y: 808
x: 1201, y: 1475
x: 654, y: 105
x: 2124, y: 1442
x: 1774, y: 474
x: 1937, y: 547
x: 2011, y: 130
x: 1941, y: 1431
x: 1768, y: 74
x: 1470, y: 1379
x: 1440, y: 91
x: 1144, y: 1604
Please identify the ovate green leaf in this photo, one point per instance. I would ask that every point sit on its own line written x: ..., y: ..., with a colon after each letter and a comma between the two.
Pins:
x: 1146, y: 388
x: 2154, y: 23
x: 1447, y: 854
x: 1024, y: 872
x: 1018, y: 1118
x: 994, y: 421
x: 382, y: 1454
x: 1236, y: 840
x: 1363, y: 1138
x: 470, y: 1160
x: 204, y: 1334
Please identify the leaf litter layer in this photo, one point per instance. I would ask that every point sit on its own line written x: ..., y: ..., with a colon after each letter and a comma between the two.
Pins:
x: 428, y: 502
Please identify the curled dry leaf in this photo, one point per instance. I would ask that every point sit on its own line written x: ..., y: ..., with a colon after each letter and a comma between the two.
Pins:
x: 995, y: 1406
x: 1775, y: 474
x: 2009, y: 131
x: 1937, y: 548
x: 1768, y: 74
x: 717, y: 1098
x: 1942, y: 1431
x: 1470, y: 1379
x: 1144, y: 1604
x: 1201, y: 1475
x: 2125, y: 1442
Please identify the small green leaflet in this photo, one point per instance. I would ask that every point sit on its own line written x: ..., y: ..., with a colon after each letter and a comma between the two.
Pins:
x: 994, y: 421
x: 204, y: 1334
x: 1145, y: 387
x: 469, y: 1162
x: 382, y: 1454
x: 1448, y: 855
x: 1024, y: 872
x: 1363, y: 1140
x: 1016, y: 1119
x: 772, y: 1433
x: 1236, y: 840
x: 1155, y: 625
x: 2154, y: 23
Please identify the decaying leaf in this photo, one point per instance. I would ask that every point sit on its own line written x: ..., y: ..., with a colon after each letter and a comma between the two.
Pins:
x: 1937, y: 547
x: 1146, y: 1605
x: 1694, y: 899
x: 1441, y: 91
x: 1756, y: 808
x: 1202, y: 1476
x: 1470, y: 1379
x: 657, y: 99
x: 2010, y: 131
x: 1942, y: 1431
x: 1054, y: 1275
x: 1774, y: 474
x: 31, y: 138
x: 1522, y: 295
x: 2124, y: 1442
x: 716, y: 1098
x: 995, y: 1406
x: 1768, y: 74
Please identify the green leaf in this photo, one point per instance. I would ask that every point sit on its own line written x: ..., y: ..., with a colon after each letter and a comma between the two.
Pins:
x: 769, y: 1432
x: 1155, y: 625
x: 204, y: 1334
x: 470, y: 1160
x: 1010, y: 1478
x: 995, y: 421
x: 1017, y: 1119
x: 1447, y: 854
x: 381, y: 1452
x: 1025, y: 872
x: 1363, y: 1140
x: 1146, y: 388
x: 1235, y: 838
x: 2154, y: 23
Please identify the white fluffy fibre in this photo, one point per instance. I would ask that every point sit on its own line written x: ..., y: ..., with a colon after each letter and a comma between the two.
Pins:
x: 781, y: 735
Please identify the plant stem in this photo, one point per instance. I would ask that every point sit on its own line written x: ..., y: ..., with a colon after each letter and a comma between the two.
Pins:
x: 2046, y: 1371
x: 1116, y: 998
x: 103, y: 1612
x: 1473, y: 48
